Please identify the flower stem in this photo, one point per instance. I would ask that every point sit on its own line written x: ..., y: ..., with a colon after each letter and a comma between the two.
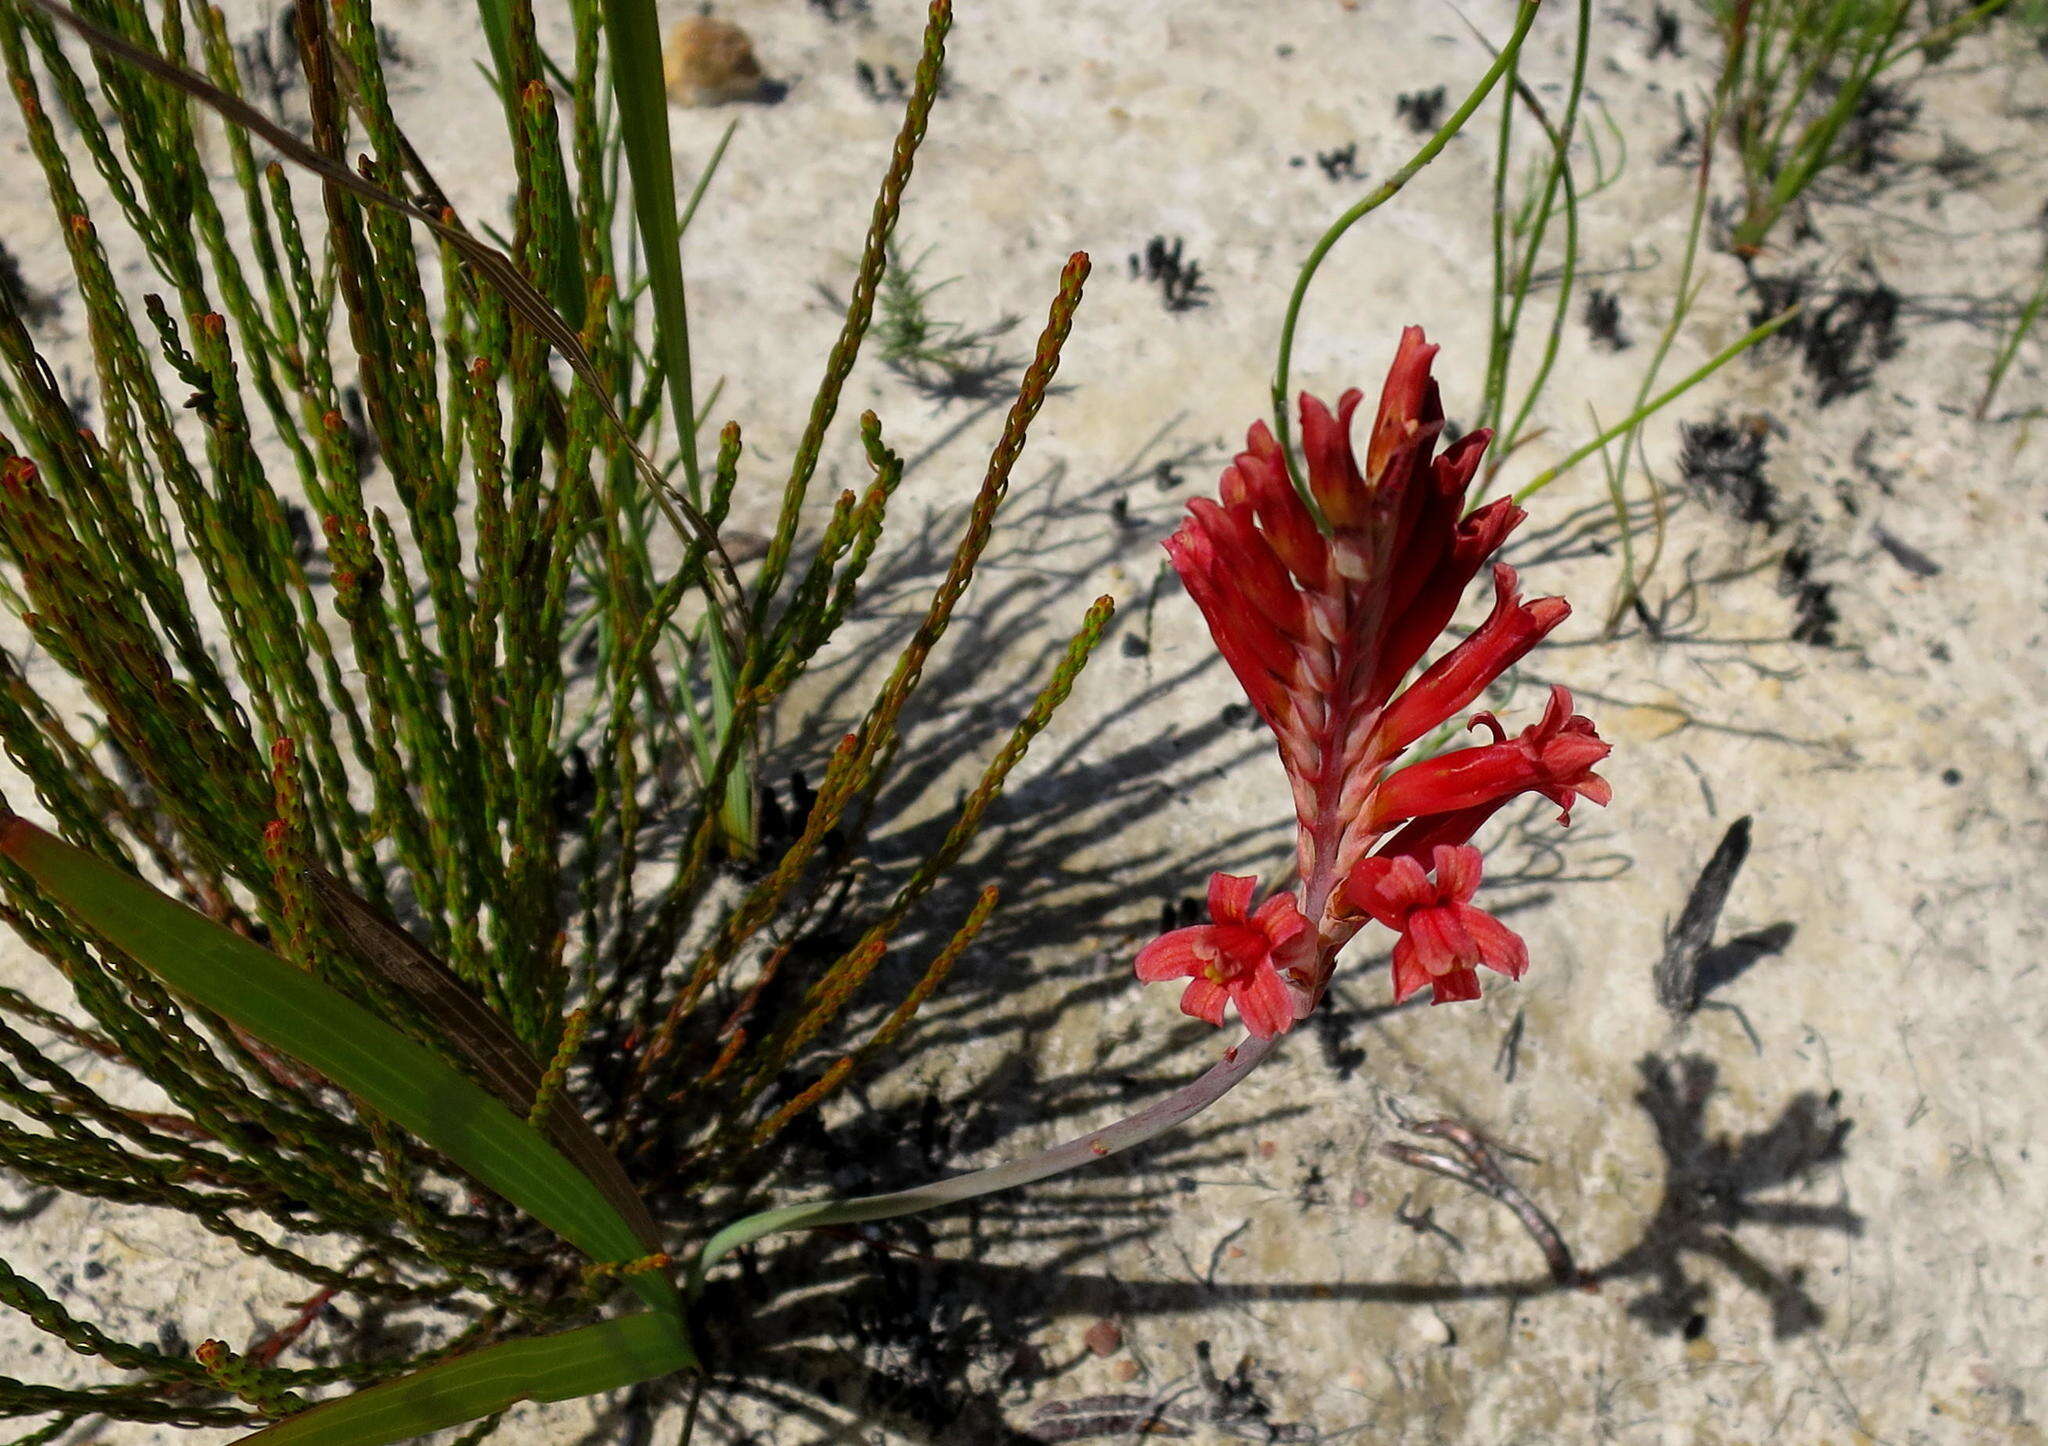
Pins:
x: 1217, y: 1081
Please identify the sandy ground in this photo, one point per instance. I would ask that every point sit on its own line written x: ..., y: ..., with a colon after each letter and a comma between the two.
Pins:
x: 1810, y: 1209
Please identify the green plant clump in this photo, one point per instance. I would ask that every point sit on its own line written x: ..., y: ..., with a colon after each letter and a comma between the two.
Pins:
x: 458, y: 665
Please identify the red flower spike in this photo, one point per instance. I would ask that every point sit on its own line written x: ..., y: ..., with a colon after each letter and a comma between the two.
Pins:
x: 1443, y: 936
x: 1321, y: 627
x: 1232, y: 958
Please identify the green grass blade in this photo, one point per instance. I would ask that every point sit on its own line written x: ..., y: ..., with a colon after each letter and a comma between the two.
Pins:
x: 307, y: 1019
x: 481, y: 1383
x: 633, y: 32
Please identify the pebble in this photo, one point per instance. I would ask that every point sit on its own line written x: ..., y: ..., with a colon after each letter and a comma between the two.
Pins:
x: 710, y: 62
x: 1104, y: 1338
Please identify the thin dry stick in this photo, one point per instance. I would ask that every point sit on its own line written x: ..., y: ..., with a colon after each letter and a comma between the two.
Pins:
x: 1474, y: 1165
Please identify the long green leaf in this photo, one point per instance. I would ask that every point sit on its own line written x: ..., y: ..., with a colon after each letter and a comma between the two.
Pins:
x: 481, y: 1383
x: 401, y: 1079
x: 633, y: 32
x: 499, y: 1057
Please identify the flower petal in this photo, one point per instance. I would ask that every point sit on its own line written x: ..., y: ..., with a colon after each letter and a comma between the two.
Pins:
x: 1457, y: 985
x: 1457, y: 872
x: 1332, y: 467
x: 1462, y: 674
x: 1204, y: 1000
x: 1258, y: 475
x: 1501, y: 949
x: 1449, y: 782
x: 1280, y: 918
x: 1172, y: 955
x: 1389, y: 889
x: 1409, y: 975
x: 1230, y: 897
x: 1441, y: 941
x: 1263, y: 1002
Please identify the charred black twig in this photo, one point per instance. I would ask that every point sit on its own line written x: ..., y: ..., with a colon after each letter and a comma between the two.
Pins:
x: 884, y: 86
x: 32, y: 306
x: 1678, y: 972
x: 1664, y: 33
x: 1724, y: 461
x: 1911, y: 558
x: 1509, y: 1056
x: 1603, y: 319
x: 1813, y: 607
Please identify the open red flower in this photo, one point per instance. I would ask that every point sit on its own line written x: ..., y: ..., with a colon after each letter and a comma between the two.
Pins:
x: 1236, y: 957
x: 1443, y: 936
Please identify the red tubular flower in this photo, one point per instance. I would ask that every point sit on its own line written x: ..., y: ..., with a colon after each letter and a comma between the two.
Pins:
x: 1553, y: 756
x: 1322, y: 621
x: 1442, y: 935
x: 1231, y: 958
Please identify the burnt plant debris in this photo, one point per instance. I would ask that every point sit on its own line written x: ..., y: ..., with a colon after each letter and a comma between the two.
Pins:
x: 1813, y: 609
x: 1678, y: 986
x: 1603, y: 319
x: 269, y: 59
x: 1723, y: 461
x: 883, y: 84
x: 1422, y: 109
x: 1844, y: 333
x: 1665, y: 33
x: 1911, y: 558
x: 1340, y: 163
x: 1683, y: 149
x: 1847, y: 335
x: 1693, y: 966
x: 1179, y: 278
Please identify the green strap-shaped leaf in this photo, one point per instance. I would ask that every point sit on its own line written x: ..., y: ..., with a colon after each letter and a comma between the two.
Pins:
x: 502, y: 1063
x: 307, y: 1019
x: 476, y: 1384
x: 633, y: 29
